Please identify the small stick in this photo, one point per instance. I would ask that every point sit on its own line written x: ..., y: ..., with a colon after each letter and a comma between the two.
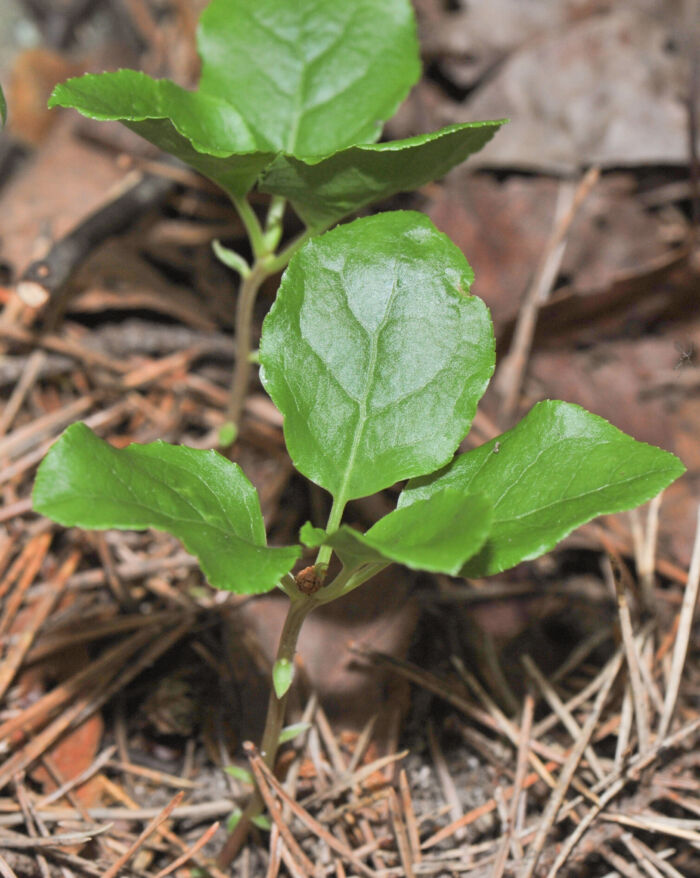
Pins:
x: 61, y: 345
x: 647, y: 564
x: 509, y: 379
x: 190, y: 852
x: 517, y: 789
x: 22, y: 560
x: 257, y: 766
x: 401, y: 834
x: 30, y: 824
x: 561, y: 711
x: 15, y: 655
x: 566, y: 776
x: 685, y: 624
x: 410, y: 817
x: 639, y: 698
x: 480, y: 811
x: 161, y: 817
x: 575, y: 701
x: 32, y: 369
x: 5, y: 869
x: 34, y: 560
x: 641, y: 850
x: 263, y: 773
x: 625, y: 729
x: 449, y: 790
x: 46, y: 279
x: 615, y: 783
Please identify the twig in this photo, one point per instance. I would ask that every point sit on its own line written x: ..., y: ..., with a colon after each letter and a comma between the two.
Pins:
x: 521, y: 768
x: 262, y: 772
x: 161, y: 817
x: 619, y: 576
x: 561, y: 711
x: 557, y: 797
x: 34, y: 365
x: 5, y: 869
x: 257, y: 766
x: 509, y: 378
x: 410, y: 817
x: 401, y: 835
x: 615, y: 783
x: 30, y: 823
x: 17, y: 842
x: 44, y: 280
x: 685, y: 624
x: 18, y: 650
x: 641, y: 850
x: 449, y: 790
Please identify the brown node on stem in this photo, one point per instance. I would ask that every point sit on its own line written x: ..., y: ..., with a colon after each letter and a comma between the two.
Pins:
x: 309, y: 580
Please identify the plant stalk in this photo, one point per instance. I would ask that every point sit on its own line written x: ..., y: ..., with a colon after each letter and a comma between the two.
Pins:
x: 299, y: 609
x: 243, y: 330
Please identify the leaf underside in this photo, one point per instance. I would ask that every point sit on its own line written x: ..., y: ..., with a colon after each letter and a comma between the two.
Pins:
x: 197, y: 496
x: 289, y: 90
x: 558, y: 468
x: 375, y: 353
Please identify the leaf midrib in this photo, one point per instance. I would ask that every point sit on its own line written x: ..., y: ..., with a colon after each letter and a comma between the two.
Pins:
x: 362, y: 410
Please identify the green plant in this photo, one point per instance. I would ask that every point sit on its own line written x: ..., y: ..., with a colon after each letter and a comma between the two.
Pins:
x: 377, y: 355
x: 3, y: 109
x: 293, y: 95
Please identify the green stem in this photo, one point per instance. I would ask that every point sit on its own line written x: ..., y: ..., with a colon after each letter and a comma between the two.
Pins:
x: 334, y: 517
x: 273, y: 223
x: 347, y: 581
x: 299, y: 609
x: 279, y: 262
x: 297, y: 613
x: 252, y: 227
x: 243, y: 331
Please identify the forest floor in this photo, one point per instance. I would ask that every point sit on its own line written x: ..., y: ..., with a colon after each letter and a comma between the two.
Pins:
x: 546, y: 720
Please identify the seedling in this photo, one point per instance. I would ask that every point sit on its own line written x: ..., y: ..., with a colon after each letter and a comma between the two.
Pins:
x: 293, y: 95
x: 377, y: 355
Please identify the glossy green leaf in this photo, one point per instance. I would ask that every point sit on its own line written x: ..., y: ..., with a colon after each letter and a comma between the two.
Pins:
x: 323, y: 191
x: 437, y: 534
x: 296, y: 91
x: 310, y: 76
x: 203, y: 130
x: 375, y: 353
x: 558, y: 468
x: 197, y: 496
x: 3, y: 108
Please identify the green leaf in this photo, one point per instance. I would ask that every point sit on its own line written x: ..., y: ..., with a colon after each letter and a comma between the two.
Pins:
x: 289, y: 733
x: 203, y: 130
x: 293, y: 93
x: 322, y: 191
x: 197, y: 496
x: 437, y: 534
x: 282, y: 676
x: 241, y: 774
x: 262, y: 821
x: 3, y: 109
x: 310, y: 76
x: 375, y: 353
x: 558, y: 468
